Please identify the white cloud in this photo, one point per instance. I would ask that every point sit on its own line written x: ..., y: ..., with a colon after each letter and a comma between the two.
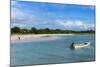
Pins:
x: 18, y: 13
x: 92, y: 7
x: 19, y: 25
x: 13, y: 3
x: 21, y: 16
x: 76, y: 23
x: 72, y: 23
x: 27, y: 18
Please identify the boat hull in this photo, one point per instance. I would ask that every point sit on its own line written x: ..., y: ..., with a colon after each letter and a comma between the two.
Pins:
x: 81, y: 45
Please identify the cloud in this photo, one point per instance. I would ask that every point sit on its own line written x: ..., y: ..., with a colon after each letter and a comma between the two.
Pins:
x: 20, y: 17
x: 18, y: 25
x: 76, y: 24
x: 92, y: 7
x: 13, y: 3
x: 17, y: 13
x: 24, y: 16
x: 71, y: 23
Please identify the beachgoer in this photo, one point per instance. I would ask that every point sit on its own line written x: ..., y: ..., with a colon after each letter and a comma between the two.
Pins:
x: 19, y: 38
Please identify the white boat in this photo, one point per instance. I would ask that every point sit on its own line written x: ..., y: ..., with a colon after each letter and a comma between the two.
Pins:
x: 80, y: 45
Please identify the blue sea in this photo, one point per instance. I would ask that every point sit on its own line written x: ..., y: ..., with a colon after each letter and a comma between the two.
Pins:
x: 52, y: 49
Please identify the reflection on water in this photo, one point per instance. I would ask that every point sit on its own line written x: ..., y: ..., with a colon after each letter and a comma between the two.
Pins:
x: 49, y: 50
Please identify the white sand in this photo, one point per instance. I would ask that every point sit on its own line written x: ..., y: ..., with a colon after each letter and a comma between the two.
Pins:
x: 33, y: 36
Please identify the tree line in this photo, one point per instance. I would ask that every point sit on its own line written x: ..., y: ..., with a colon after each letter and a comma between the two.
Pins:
x: 33, y: 30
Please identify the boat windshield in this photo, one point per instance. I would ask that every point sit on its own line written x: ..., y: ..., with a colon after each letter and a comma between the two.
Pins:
x: 85, y: 43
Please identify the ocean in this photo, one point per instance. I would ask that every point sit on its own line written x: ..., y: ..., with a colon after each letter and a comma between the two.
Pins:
x: 52, y: 50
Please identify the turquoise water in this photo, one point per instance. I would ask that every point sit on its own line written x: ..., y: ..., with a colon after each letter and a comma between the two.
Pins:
x: 53, y: 49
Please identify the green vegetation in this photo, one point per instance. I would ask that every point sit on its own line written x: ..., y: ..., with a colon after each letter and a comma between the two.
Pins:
x: 33, y: 30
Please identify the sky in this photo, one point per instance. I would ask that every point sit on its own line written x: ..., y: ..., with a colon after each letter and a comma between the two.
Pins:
x: 52, y: 15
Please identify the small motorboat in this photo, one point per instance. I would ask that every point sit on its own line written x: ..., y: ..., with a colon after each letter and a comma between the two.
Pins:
x: 80, y: 45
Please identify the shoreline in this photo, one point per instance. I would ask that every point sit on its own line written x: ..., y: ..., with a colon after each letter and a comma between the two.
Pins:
x: 15, y: 37
x: 19, y: 37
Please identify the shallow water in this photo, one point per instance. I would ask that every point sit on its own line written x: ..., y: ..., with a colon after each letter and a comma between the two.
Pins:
x: 54, y: 49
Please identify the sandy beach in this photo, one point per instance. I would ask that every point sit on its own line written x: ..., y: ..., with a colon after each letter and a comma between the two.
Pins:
x: 33, y: 36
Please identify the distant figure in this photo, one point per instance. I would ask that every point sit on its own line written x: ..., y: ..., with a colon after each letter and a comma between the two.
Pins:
x: 19, y: 38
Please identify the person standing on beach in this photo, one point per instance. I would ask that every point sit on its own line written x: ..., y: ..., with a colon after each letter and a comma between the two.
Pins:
x: 19, y: 38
